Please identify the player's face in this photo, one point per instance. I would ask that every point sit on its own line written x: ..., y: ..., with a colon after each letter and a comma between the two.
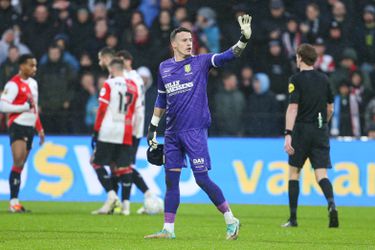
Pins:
x: 103, y: 61
x: 29, y: 68
x: 183, y: 44
x: 298, y: 61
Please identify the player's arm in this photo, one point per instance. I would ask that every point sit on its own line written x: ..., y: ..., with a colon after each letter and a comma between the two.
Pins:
x: 291, y: 115
x: 236, y: 50
x: 7, y: 97
x: 330, y: 106
x: 139, y: 114
x: 104, y: 96
x: 159, y: 110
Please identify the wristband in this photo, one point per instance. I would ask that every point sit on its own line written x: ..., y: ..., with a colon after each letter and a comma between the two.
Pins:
x: 244, y: 39
x: 288, y: 132
x: 155, y: 120
x: 152, y: 128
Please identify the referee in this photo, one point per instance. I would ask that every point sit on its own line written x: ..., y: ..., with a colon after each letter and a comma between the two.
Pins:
x: 306, y: 131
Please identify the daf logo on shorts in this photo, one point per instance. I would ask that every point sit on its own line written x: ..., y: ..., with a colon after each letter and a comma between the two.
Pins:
x: 198, y: 161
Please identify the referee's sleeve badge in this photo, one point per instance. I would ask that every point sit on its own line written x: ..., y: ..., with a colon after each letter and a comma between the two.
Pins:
x: 291, y: 88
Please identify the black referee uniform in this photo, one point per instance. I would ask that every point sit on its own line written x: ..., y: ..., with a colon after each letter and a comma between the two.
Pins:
x: 311, y: 90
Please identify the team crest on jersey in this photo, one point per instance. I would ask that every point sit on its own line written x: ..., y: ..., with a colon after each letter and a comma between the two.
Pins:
x: 291, y: 87
x: 187, y: 68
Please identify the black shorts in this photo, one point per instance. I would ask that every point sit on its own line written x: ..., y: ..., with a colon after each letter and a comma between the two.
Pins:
x: 108, y: 153
x: 311, y: 142
x: 20, y: 132
x: 134, y: 149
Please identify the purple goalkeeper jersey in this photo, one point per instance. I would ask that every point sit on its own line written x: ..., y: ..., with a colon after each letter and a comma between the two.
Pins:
x: 183, y: 85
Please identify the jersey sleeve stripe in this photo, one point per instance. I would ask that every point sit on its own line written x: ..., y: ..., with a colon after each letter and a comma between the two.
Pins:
x: 161, y: 91
x: 104, y: 100
x: 213, y: 61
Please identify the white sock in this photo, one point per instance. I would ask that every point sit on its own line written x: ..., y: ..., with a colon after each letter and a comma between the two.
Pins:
x: 229, y: 218
x: 126, y: 205
x: 14, y: 201
x: 169, y: 227
x: 112, y: 195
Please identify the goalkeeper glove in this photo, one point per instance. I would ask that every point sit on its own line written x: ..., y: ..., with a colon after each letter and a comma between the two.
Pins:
x: 151, y: 136
x: 245, y: 24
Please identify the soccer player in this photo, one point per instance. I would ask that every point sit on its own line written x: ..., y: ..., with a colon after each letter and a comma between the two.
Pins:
x: 20, y: 100
x: 306, y: 131
x: 112, y: 137
x: 182, y: 83
x: 138, y: 126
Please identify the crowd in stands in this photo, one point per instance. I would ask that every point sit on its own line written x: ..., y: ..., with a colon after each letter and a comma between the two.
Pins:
x: 248, y: 97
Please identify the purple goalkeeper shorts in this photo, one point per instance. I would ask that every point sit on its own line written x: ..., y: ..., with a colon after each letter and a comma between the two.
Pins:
x: 192, y: 143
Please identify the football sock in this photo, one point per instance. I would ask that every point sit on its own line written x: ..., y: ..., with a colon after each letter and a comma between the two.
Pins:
x: 172, y: 198
x: 125, y: 177
x: 15, y: 181
x: 115, y: 180
x: 212, y: 190
x: 293, y: 191
x: 103, y: 177
x: 138, y: 181
x: 327, y: 189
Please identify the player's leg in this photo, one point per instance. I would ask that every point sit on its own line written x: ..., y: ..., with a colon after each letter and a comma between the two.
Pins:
x: 21, y: 143
x: 174, y: 162
x: 320, y: 160
x: 103, y: 156
x: 195, y: 144
x: 293, y: 193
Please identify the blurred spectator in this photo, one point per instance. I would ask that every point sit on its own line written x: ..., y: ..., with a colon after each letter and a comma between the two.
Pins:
x: 149, y: 9
x: 162, y: 28
x: 276, y: 65
x: 346, y: 68
x: 10, y: 37
x: 324, y: 62
x: 86, y: 64
x: 39, y: 32
x: 8, y: 16
x: 99, y: 12
x: 180, y: 14
x: 10, y: 67
x: 61, y: 10
x: 262, y: 117
x: 346, y: 116
x: 314, y: 26
x: 82, y: 29
x: 229, y: 107
x: 166, y: 5
x: 98, y: 41
x: 143, y: 46
x: 146, y: 76
x: 127, y: 36
x: 208, y: 30
x: 364, y: 39
x: 370, y: 118
x: 292, y: 37
x: 111, y: 41
x: 273, y: 26
x: 336, y: 43
x: 83, y: 116
x: 62, y: 40
x: 122, y: 14
x: 339, y: 15
x: 246, y: 79
x: 55, y: 80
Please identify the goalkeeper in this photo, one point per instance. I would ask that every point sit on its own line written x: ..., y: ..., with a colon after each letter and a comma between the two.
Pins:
x: 182, y: 84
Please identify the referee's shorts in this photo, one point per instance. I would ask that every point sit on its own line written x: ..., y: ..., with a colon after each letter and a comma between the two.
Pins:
x: 311, y: 142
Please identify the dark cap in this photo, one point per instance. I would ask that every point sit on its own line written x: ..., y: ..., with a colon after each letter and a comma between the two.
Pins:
x: 274, y: 43
x: 369, y: 9
x: 277, y: 4
x: 319, y: 41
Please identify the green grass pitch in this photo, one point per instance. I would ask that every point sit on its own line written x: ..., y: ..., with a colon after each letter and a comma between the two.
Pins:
x: 63, y: 225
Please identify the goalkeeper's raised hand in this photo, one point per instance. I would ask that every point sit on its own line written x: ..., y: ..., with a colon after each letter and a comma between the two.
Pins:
x: 245, y: 24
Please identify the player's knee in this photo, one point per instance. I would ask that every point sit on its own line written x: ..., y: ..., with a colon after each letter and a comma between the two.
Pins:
x: 18, y: 162
x: 172, y: 180
x: 201, y: 178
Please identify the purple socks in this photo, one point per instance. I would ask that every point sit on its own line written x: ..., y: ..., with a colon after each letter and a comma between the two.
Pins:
x: 172, y: 196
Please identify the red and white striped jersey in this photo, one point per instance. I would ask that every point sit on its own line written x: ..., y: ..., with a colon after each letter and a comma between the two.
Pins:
x: 121, y: 96
x: 17, y: 92
x: 139, y: 114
